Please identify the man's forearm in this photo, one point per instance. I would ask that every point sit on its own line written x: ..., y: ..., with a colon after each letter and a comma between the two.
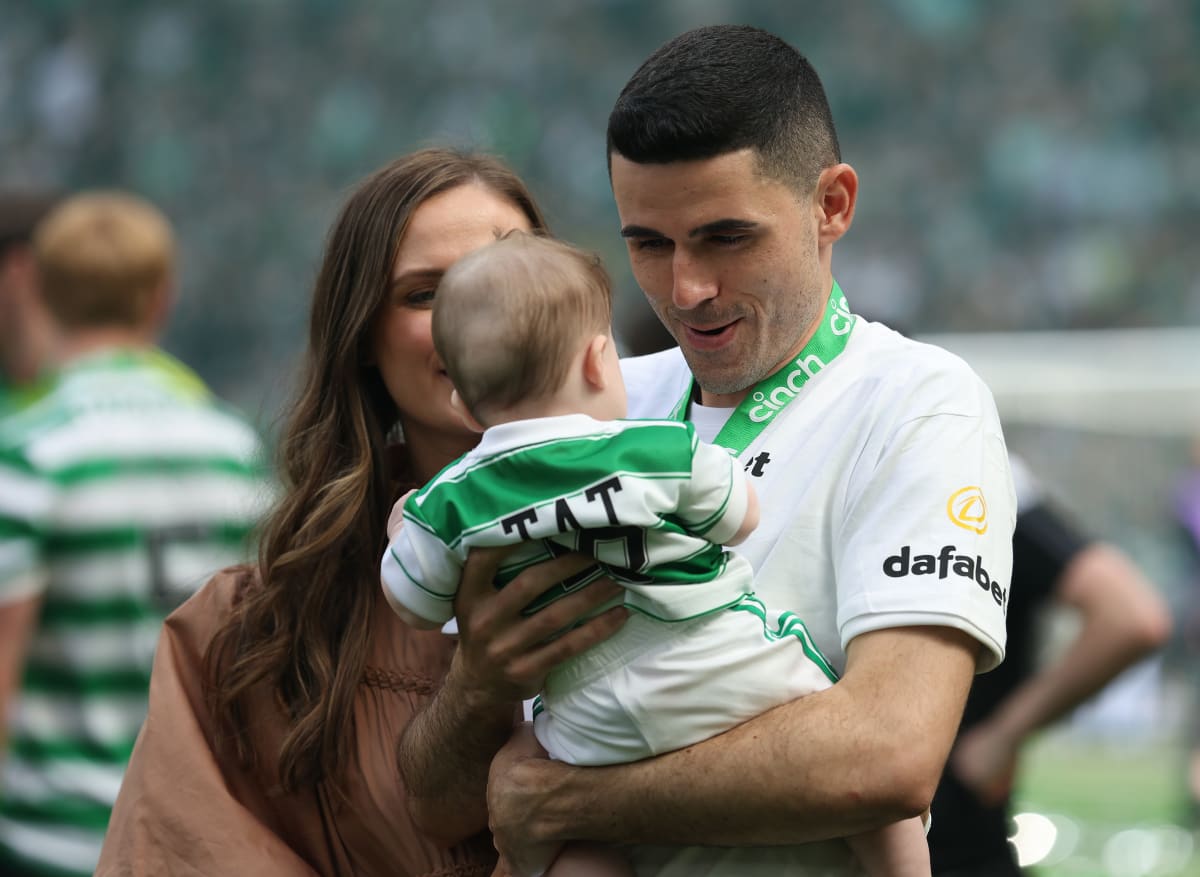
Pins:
x: 444, y: 755
x: 864, y: 753
x: 699, y: 795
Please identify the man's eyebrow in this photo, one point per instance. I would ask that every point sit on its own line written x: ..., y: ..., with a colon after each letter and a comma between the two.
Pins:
x: 723, y: 226
x: 639, y: 231
x: 719, y: 226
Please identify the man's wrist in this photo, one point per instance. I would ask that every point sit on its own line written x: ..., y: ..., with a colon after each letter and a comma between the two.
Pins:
x: 476, y: 702
x: 568, y: 808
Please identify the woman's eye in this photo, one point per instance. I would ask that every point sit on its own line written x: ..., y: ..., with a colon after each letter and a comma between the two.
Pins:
x: 419, y: 297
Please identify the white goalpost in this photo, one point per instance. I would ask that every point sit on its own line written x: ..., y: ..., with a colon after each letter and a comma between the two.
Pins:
x: 1136, y: 382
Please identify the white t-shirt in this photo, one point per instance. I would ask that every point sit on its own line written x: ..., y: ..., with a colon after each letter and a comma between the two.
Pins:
x: 886, y: 501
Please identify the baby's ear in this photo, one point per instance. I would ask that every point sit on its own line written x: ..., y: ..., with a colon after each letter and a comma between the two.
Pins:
x: 464, y: 413
x: 593, y: 362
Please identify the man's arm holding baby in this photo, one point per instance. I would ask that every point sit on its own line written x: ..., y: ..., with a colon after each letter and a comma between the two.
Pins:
x: 502, y: 659
x: 863, y: 753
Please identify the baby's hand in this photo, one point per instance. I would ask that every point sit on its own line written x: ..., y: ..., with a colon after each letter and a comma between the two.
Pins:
x: 396, y: 519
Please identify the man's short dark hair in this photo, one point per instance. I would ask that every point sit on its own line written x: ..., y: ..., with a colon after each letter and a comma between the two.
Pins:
x: 718, y: 89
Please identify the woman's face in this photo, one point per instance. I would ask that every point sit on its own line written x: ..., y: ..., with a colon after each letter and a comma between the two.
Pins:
x: 442, y: 230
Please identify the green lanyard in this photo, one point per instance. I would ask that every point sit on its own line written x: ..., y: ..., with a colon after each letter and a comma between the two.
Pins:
x: 776, y: 391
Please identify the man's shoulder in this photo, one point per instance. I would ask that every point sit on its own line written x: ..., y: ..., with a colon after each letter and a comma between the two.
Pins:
x: 912, y: 372
x: 880, y: 349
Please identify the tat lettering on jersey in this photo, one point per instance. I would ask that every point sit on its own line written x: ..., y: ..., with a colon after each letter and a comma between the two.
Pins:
x: 615, y: 545
x: 944, y: 562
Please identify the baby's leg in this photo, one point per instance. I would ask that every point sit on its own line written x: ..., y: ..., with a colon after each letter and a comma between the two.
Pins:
x: 896, y: 850
x: 582, y: 859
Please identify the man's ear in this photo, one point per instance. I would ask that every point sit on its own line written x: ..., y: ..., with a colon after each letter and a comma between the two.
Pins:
x: 837, y: 195
x: 593, y: 362
x: 464, y: 413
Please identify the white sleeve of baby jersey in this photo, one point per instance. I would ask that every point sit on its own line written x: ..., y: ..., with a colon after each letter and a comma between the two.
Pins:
x: 420, y: 572
x: 714, y: 501
x: 926, y: 538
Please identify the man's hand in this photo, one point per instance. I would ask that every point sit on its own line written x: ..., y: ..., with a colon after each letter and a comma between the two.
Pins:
x: 504, y: 656
x: 518, y: 857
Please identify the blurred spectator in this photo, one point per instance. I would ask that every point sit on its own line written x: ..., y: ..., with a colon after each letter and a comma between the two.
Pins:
x: 1187, y: 513
x: 26, y: 330
x: 1045, y: 176
x: 121, y: 489
x: 1122, y: 618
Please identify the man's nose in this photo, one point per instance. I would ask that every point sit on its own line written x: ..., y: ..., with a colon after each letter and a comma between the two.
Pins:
x: 691, y: 282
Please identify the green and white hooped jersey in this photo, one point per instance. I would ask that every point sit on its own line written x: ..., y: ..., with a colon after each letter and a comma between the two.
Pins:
x: 645, y: 498
x: 885, y: 498
x: 121, y: 491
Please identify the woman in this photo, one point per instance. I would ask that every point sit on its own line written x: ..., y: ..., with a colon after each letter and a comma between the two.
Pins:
x: 280, y: 692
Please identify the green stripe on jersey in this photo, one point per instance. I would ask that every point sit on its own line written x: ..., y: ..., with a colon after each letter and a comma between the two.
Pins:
x: 43, y: 679
x: 62, y: 611
x: 124, y: 537
x: 46, y: 749
x: 103, y: 468
x: 67, y: 812
x: 10, y: 863
x: 529, y: 475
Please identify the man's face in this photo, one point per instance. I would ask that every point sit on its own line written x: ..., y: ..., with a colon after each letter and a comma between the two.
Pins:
x: 729, y: 261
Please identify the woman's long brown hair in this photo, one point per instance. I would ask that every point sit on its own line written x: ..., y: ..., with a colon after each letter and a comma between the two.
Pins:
x: 303, y: 629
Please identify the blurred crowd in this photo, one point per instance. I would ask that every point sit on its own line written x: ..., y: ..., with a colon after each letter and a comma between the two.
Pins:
x: 1027, y: 165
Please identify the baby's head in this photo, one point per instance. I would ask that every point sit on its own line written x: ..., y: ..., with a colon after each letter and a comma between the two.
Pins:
x: 523, y: 328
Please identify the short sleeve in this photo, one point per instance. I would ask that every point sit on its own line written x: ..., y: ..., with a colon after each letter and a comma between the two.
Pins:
x: 419, y: 570
x: 927, y: 534
x: 714, y: 501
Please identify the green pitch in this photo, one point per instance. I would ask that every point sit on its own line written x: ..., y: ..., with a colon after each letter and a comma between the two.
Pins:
x: 1106, y: 810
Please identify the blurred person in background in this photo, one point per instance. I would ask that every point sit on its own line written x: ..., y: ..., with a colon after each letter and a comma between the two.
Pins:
x: 281, y: 689
x: 1187, y: 515
x: 26, y: 329
x: 121, y: 489
x: 1122, y: 620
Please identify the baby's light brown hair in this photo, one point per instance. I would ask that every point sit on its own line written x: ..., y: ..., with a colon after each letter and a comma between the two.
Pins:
x: 101, y: 257
x: 509, y: 317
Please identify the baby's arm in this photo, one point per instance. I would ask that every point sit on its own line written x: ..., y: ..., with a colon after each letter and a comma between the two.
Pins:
x: 896, y: 850
x: 408, y: 617
x: 582, y: 859
x: 750, y: 521
x: 395, y: 523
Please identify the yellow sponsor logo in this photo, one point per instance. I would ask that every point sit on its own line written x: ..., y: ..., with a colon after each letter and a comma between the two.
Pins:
x: 968, y: 509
